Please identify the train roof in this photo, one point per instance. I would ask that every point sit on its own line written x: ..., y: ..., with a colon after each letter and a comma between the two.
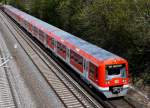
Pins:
x: 89, y: 48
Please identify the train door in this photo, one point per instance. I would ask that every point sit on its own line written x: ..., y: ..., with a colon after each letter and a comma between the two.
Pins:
x: 32, y: 30
x: 85, y: 68
x: 68, y: 55
x: 55, y: 46
x: 93, y: 72
x: 30, y: 27
x: 41, y: 36
x: 45, y: 40
x: 35, y: 32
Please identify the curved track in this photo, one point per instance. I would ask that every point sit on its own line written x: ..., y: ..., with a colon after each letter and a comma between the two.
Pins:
x: 68, y: 91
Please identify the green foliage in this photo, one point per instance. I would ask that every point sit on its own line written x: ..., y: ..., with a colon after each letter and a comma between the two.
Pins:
x: 67, y: 10
x: 120, y: 26
x: 16, y: 3
x: 46, y: 10
x: 1, y: 1
x: 35, y: 6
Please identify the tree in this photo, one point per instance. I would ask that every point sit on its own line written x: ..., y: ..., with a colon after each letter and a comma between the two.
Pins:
x: 48, y: 11
x: 120, y: 26
x: 16, y: 3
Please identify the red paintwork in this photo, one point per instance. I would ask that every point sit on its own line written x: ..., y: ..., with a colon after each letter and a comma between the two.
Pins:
x: 112, y: 61
x: 99, y: 62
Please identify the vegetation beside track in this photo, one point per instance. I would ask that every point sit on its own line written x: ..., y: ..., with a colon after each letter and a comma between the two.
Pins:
x: 119, y: 26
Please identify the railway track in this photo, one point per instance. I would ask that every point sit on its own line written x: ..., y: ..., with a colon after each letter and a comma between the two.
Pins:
x: 7, y: 98
x: 67, y: 90
x: 121, y: 103
x: 62, y: 84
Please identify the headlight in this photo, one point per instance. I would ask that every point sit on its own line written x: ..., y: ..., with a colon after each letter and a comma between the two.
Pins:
x: 116, y: 81
x: 107, y: 82
x: 123, y: 80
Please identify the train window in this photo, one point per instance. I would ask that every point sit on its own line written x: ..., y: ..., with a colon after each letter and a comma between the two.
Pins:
x: 93, y: 73
x: 35, y: 30
x: 96, y: 75
x: 123, y: 72
x: 52, y: 41
x: 115, y: 70
x: 33, y: 27
x: 41, y: 33
x: 25, y: 23
x: 61, y: 47
x: 71, y: 54
x: 76, y: 57
x: 58, y: 45
x: 80, y: 61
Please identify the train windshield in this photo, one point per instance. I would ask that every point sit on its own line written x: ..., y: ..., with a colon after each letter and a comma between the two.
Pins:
x: 115, y: 71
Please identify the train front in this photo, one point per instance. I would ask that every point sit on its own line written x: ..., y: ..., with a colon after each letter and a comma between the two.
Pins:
x: 115, y: 77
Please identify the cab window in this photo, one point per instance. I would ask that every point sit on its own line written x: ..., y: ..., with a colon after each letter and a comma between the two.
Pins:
x: 115, y: 71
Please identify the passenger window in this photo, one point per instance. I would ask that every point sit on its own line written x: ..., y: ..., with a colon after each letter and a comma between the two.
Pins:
x: 52, y: 41
x: 80, y: 61
x: 26, y: 23
x: 76, y: 57
x: 61, y: 47
x: 40, y: 33
x: 35, y: 30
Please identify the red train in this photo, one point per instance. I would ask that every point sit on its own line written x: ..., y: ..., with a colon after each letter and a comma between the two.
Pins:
x: 105, y: 71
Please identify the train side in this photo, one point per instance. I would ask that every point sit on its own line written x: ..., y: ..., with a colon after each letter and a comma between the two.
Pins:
x: 107, y: 72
